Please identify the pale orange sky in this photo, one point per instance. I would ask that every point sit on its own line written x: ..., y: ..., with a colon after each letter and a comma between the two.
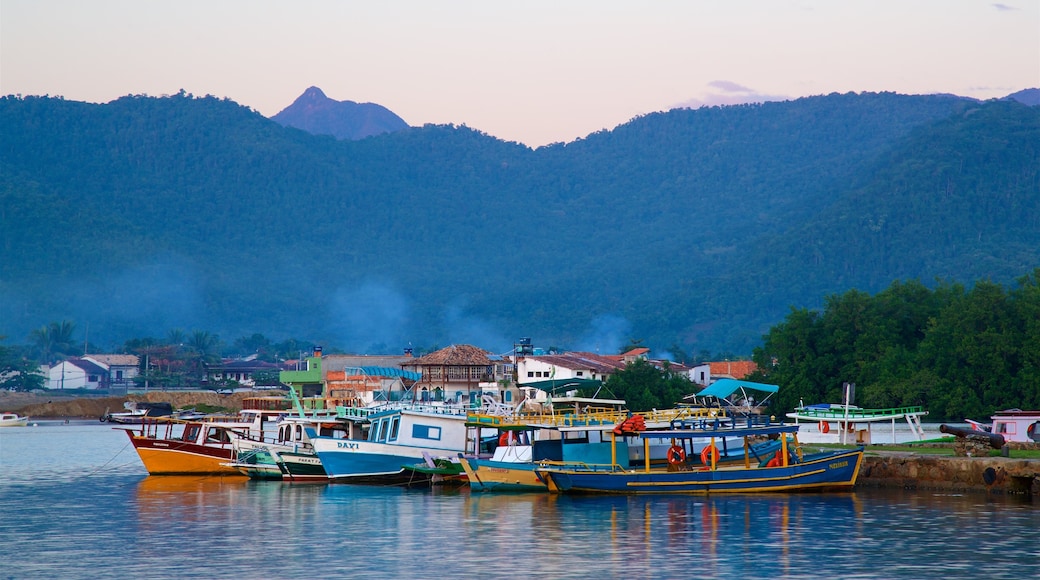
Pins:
x: 536, y: 72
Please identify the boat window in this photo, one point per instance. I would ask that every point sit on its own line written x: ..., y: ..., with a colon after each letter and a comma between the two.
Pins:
x: 380, y: 431
x: 216, y: 435
x: 395, y: 423
x: 191, y: 432
x: 426, y: 432
x: 299, y: 433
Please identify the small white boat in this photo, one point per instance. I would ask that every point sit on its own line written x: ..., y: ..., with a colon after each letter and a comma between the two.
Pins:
x: 13, y: 420
x: 849, y: 424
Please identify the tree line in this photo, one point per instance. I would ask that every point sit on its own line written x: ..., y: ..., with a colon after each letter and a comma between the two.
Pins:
x: 959, y: 352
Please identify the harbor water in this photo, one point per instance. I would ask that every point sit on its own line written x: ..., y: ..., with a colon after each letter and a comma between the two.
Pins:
x: 76, y: 503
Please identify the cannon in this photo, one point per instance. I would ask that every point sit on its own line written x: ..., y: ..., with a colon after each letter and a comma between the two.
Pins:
x: 995, y: 441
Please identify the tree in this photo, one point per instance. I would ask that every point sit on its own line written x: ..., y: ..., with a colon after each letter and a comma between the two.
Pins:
x: 17, y: 372
x: 644, y: 386
x: 53, y: 342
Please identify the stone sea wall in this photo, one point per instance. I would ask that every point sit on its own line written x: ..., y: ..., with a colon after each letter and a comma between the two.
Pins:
x: 963, y: 474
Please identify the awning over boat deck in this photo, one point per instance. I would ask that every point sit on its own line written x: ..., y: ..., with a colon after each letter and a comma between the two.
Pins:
x: 555, y: 385
x: 723, y: 388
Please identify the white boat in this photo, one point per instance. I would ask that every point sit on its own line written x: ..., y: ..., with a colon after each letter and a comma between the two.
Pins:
x: 397, y: 435
x: 13, y: 420
x: 135, y: 412
x: 852, y: 425
x: 1013, y: 425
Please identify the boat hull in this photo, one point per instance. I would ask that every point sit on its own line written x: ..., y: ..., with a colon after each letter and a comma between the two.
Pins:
x: 368, y: 462
x: 302, y: 467
x: 833, y: 470
x: 501, y: 476
x: 171, y: 457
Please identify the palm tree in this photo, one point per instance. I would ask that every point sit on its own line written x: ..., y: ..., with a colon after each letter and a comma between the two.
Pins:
x: 53, y: 341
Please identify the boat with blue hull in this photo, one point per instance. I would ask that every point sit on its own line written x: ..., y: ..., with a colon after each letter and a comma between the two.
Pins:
x: 396, y: 437
x: 788, y: 470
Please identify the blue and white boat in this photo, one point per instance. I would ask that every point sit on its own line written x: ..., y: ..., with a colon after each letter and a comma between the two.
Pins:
x: 788, y: 470
x: 396, y: 437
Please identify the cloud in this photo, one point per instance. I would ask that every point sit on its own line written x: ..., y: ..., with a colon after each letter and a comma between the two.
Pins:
x: 723, y: 92
x: 1003, y: 7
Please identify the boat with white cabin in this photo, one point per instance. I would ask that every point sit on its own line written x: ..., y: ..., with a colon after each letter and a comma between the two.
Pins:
x: 13, y: 420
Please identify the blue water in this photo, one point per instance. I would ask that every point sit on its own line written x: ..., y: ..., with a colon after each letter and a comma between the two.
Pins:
x: 76, y: 503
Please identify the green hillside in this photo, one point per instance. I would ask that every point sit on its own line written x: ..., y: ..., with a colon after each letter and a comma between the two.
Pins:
x: 695, y: 228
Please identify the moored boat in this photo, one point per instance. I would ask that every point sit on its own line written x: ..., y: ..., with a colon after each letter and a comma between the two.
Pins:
x: 397, y: 436
x: 13, y: 420
x: 849, y: 424
x: 169, y: 446
x: 789, y: 469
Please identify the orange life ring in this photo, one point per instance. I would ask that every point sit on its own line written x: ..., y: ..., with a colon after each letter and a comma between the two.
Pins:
x: 825, y: 427
x: 709, y: 455
x: 676, y: 455
x: 503, y: 439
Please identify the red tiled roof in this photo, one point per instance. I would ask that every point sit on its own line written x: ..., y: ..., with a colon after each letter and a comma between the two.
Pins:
x: 581, y: 361
x: 737, y: 369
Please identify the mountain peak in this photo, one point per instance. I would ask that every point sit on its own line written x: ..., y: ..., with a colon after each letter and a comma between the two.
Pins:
x: 318, y: 114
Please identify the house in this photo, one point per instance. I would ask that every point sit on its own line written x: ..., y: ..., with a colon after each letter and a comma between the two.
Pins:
x: 122, y: 368
x: 709, y: 372
x: 456, y: 373
x: 362, y: 379
x: 570, y: 365
x: 241, y: 371
x: 77, y: 373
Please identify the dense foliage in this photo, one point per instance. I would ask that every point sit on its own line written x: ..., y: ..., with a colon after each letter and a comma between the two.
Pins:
x: 959, y: 352
x: 692, y: 228
x: 643, y: 386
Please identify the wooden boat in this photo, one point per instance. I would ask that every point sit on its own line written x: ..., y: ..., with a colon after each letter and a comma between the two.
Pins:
x: 788, y: 470
x: 169, y: 446
x: 1013, y: 425
x: 13, y: 420
x: 579, y: 431
x: 289, y: 454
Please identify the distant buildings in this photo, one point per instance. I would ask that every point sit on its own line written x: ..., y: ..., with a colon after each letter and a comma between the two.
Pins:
x: 94, y: 371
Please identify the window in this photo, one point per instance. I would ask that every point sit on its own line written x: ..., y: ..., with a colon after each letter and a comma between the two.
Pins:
x: 395, y: 423
x: 426, y: 432
x: 581, y: 373
x: 530, y: 374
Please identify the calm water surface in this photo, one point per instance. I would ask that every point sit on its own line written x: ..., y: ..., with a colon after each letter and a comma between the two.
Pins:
x: 75, y: 502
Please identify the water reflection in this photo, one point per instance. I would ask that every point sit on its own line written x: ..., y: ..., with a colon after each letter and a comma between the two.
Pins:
x: 132, y: 526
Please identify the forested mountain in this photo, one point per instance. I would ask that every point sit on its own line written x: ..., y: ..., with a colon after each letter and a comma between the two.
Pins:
x: 319, y: 115
x: 692, y: 228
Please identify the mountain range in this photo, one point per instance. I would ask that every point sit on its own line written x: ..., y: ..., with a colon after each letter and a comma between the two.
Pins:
x: 686, y: 230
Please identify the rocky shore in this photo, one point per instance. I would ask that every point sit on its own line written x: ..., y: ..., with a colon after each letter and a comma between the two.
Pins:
x: 58, y: 406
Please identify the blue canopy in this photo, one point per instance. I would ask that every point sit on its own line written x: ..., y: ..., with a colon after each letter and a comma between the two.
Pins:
x: 383, y: 372
x: 723, y: 388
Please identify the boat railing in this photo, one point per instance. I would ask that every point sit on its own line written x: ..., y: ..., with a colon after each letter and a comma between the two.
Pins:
x: 840, y: 413
x: 581, y: 465
x: 589, y: 417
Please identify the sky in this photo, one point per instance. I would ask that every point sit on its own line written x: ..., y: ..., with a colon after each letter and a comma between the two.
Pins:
x: 536, y: 72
